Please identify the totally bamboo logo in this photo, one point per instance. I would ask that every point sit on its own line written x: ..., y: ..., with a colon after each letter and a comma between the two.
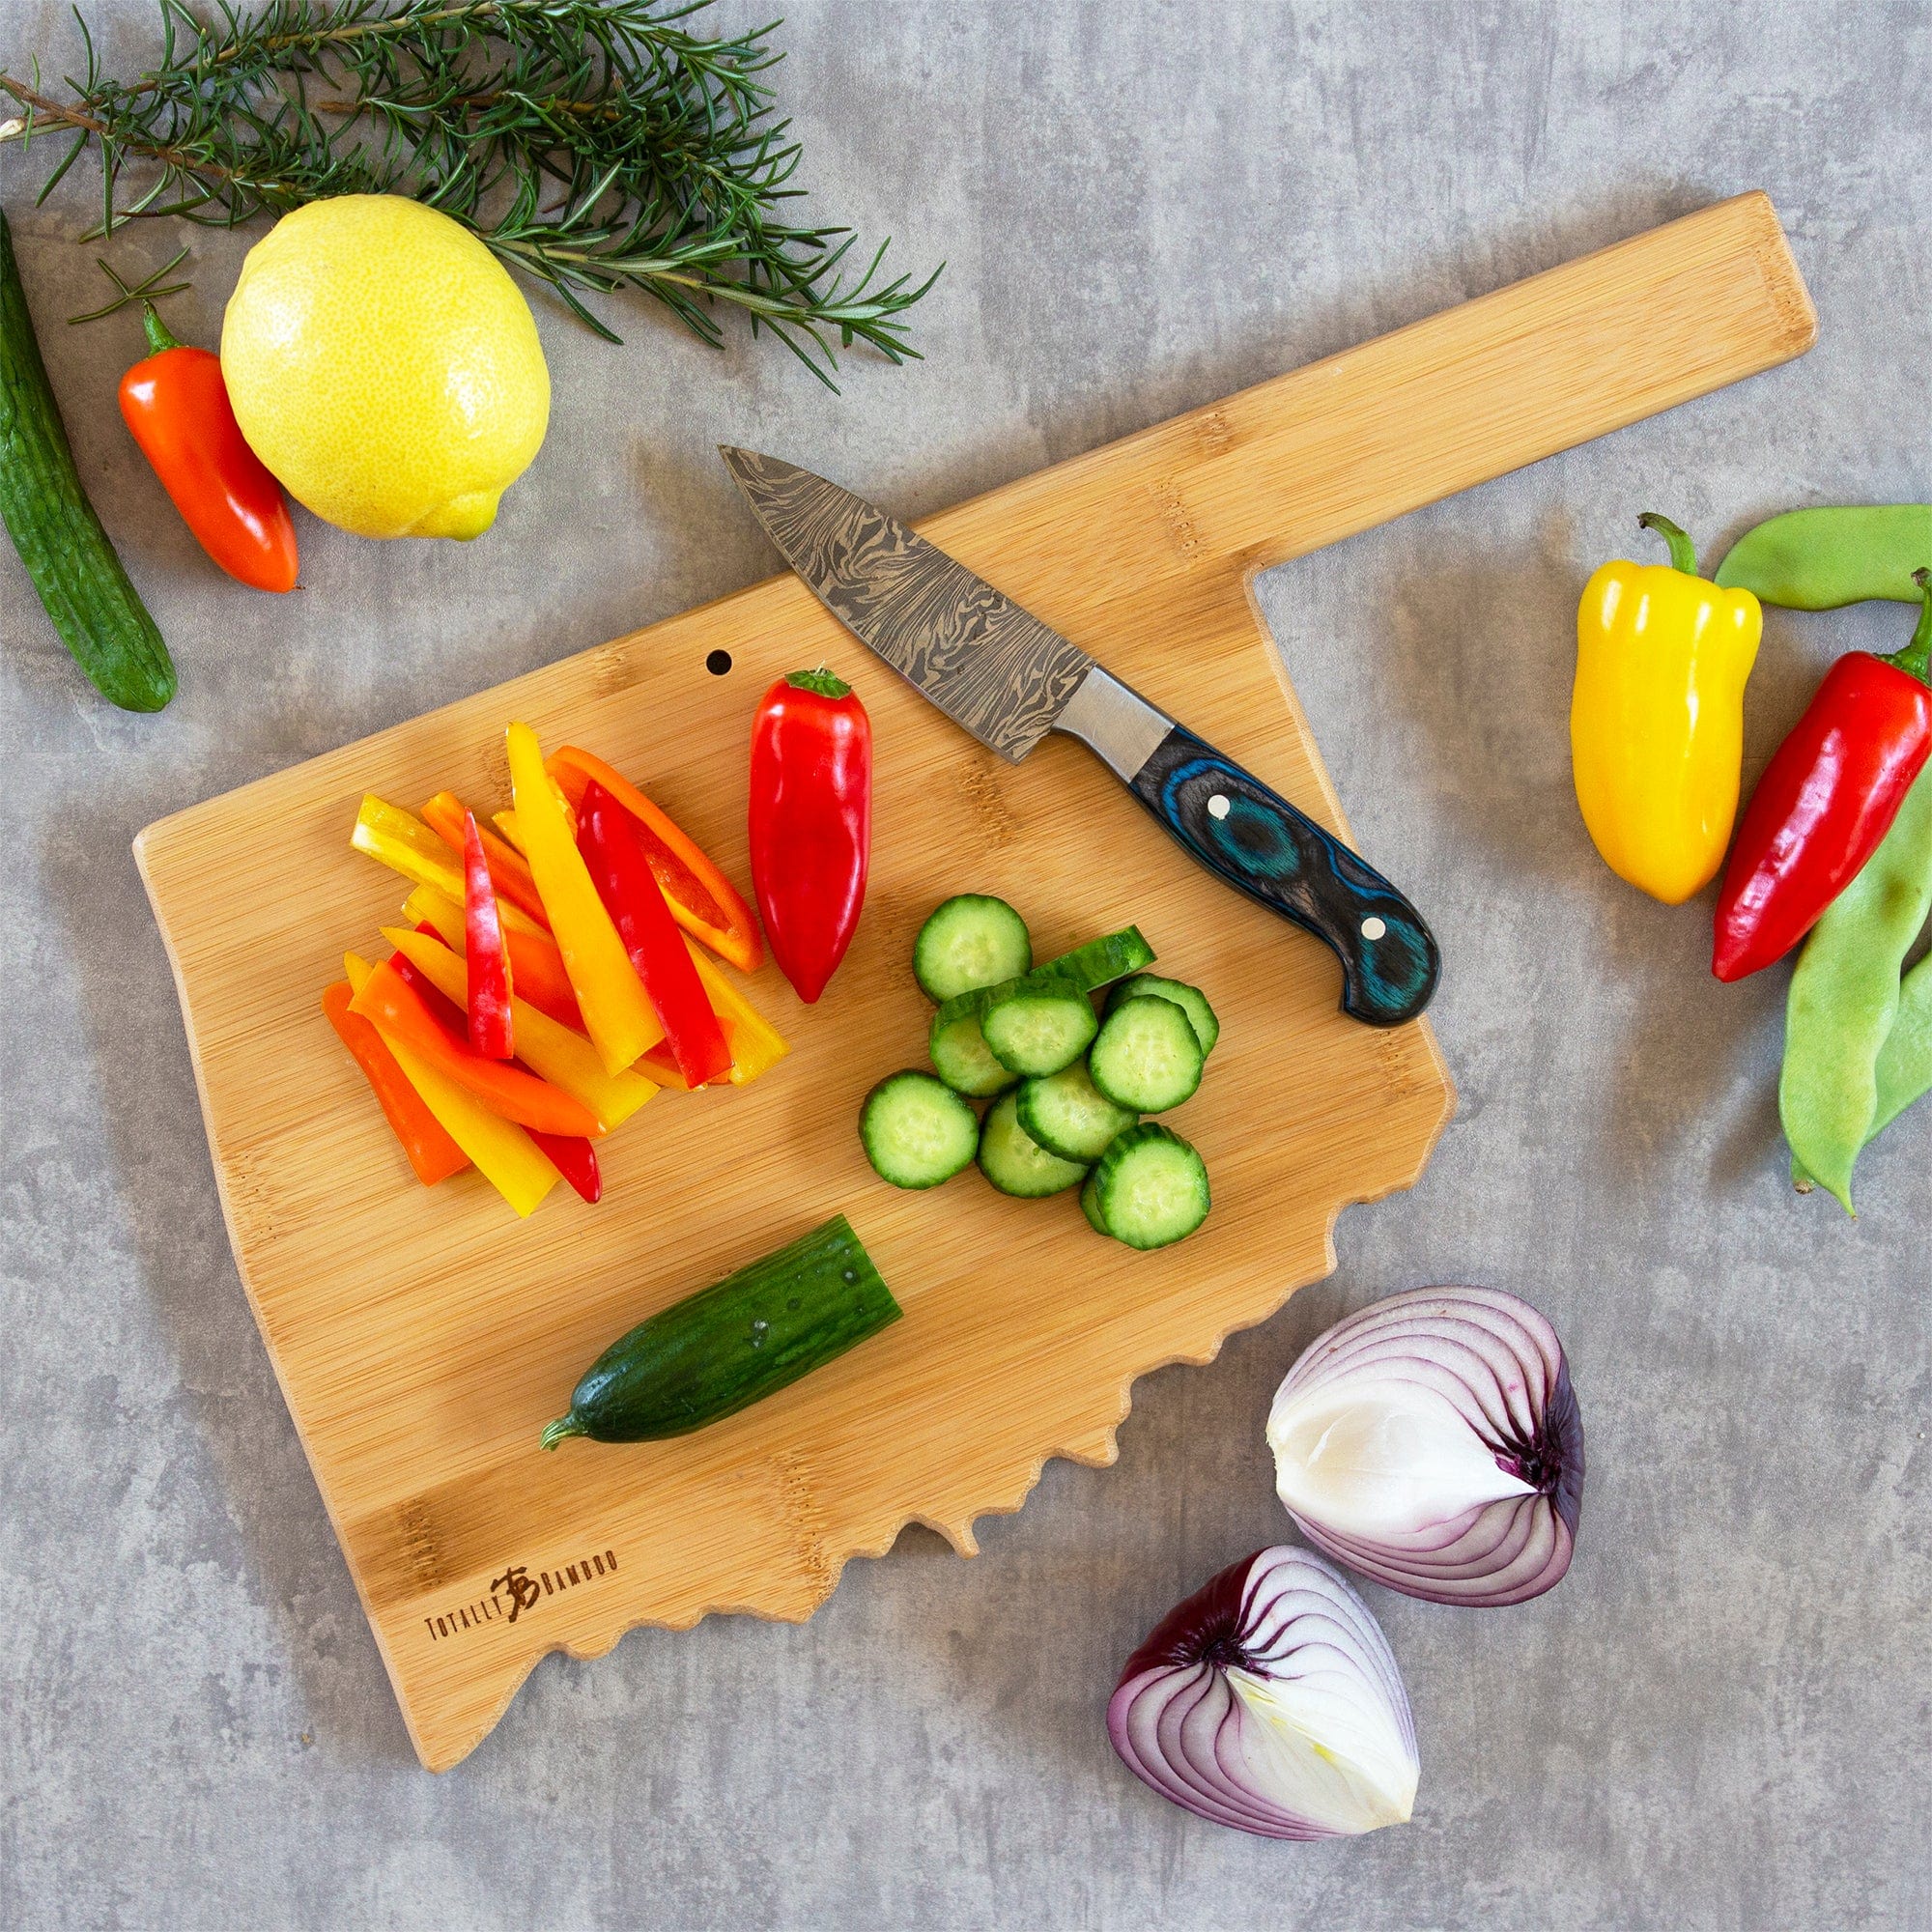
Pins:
x: 517, y: 1592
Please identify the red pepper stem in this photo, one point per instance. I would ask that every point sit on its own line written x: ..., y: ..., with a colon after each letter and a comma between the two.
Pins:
x: 1683, y: 552
x: 822, y: 682
x: 1916, y: 659
x: 159, y: 338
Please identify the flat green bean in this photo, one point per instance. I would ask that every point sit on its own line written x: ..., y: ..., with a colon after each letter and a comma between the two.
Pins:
x: 1818, y: 560
x: 1844, y: 999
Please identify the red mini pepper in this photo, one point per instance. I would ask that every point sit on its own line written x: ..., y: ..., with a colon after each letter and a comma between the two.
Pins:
x: 492, y: 1032
x: 812, y: 822
x: 620, y: 868
x: 175, y: 406
x: 1826, y: 800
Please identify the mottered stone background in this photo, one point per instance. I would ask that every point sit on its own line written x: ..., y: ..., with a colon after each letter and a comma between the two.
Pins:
x: 1719, y: 1720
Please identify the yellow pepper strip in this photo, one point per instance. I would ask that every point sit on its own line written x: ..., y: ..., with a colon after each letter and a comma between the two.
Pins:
x: 552, y: 1052
x: 620, y: 1018
x: 757, y: 1046
x: 1657, y: 717
x: 403, y: 842
x: 504, y: 1154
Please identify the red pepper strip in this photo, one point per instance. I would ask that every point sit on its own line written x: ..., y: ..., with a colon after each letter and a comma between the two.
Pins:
x: 432, y: 1152
x: 536, y: 966
x: 574, y: 1160
x: 175, y: 406
x: 612, y: 852
x: 510, y: 1091
x: 492, y: 1028
x: 1826, y: 800
x: 446, y: 815
x: 812, y: 822
x: 659, y: 1065
x: 703, y: 899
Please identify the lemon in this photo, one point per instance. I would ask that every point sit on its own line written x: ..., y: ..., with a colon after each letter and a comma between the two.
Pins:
x: 385, y: 366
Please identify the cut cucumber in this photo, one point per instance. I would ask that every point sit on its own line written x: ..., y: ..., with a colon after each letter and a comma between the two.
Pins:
x: 1040, y: 1031
x: 1069, y: 1116
x: 1149, y: 1189
x: 1090, y: 1204
x: 959, y: 1051
x: 1147, y: 1057
x: 1191, y: 1000
x: 917, y: 1132
x: 1085, y: 970
x: 970, y: 941
x: 1017, y: 1164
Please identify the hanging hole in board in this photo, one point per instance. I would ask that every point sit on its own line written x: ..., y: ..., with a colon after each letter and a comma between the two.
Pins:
x: 718, y: 663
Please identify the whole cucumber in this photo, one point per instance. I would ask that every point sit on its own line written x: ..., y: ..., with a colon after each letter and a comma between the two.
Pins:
x: 94, y: 606
x: 721, y: 1350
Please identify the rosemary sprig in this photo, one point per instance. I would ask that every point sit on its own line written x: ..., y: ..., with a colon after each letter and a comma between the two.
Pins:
x: 597, y: 145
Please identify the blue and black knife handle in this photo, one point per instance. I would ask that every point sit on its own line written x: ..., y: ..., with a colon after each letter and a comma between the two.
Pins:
x: 1262, y: 845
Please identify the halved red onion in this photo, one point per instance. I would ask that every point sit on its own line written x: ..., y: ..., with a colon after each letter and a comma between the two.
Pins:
x: 1268, y: 1701
x: 1432, y: 1442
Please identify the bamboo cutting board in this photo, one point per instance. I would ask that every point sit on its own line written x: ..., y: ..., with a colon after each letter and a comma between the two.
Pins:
x: 423, y: 1337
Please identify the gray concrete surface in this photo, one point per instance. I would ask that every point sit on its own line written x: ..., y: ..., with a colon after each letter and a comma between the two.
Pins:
x: 1719, y: 1720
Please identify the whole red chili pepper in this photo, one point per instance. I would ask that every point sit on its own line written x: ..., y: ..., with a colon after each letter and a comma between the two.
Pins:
x: 812, y: 822
x: 175, y: 406
x: 1826, y: 800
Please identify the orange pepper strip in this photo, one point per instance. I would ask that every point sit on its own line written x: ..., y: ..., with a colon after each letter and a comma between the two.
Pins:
x: 703, y: 899
x: 554, y: 1053
x: 506, y: 1156
x: 398, y: 1012
x: 432, y: 1152
x: 536, y: 966
x: 400, y: 840
x: 509, y: 871
x: 607, y: 990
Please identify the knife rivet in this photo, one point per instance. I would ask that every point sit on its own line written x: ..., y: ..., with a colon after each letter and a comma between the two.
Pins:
x: 1374, y: 928
x: 1217, y: 805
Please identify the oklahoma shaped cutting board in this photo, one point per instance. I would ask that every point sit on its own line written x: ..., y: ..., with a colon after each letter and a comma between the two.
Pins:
x: 423, y: 1337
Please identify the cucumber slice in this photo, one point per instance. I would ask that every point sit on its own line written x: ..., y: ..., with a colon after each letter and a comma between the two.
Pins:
x: 960, y: 1054
x: 1069, y: 1116
x: 1147, y: 1057
x: 917, y: 1132
x: 1149, y: 1189
x: 1016, y: 1164
x: 1191, y: 1000
x: 969, y: 942
x: 1040, y: 1031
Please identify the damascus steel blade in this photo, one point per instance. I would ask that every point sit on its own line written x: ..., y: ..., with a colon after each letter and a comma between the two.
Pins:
x: 990, y: 665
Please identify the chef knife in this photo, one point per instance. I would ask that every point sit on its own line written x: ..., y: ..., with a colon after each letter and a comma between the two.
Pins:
x: 1009, y: 679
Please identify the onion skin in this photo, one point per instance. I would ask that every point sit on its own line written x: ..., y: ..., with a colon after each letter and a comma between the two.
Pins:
x: 1180, y: 1726
x: 1501, y: 1364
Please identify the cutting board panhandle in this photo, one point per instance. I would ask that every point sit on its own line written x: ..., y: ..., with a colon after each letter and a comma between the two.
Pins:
x: 423, y: 1338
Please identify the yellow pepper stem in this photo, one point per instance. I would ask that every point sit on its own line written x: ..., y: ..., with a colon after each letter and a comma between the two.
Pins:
x: 1683, y: 552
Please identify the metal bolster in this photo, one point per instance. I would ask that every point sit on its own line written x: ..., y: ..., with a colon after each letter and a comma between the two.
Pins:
x: 1116, y: 721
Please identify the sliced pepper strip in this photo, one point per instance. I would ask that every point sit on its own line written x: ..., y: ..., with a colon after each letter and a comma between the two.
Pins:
x: 504, y: 1154
x: 400, y: 840
x: 536, y: 966
x: 756, y: 1045
x: 565, y: 1059
x: 577, y: 1161
x: 399, y: 1013
x: 608, y: 839
x: 610, y: 993
x: 489, y: 1008
x: 430, y: 1151
x: 509, y: 871
x: 703, y: 899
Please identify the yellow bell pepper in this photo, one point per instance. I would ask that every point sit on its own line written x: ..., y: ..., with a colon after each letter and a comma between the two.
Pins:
x: 504, y: 1154
x: 756, y: 1045
x: 552, y: 1052
x: 620, y: 1019
x: 1657, y: 718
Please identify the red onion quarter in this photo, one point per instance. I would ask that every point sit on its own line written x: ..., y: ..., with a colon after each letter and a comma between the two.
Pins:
x: 1268, y: 1701
x: 1433, y: 1444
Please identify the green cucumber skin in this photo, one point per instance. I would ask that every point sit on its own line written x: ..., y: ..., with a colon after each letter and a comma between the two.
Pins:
x: 721, y: 1350
x: 1086, y: 969
x: 96, y: 610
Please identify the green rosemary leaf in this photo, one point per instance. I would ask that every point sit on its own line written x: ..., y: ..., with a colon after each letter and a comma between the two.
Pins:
x: 596, y: 145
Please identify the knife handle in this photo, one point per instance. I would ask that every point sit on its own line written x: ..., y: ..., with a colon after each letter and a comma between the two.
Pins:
x: 1261, y: 844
